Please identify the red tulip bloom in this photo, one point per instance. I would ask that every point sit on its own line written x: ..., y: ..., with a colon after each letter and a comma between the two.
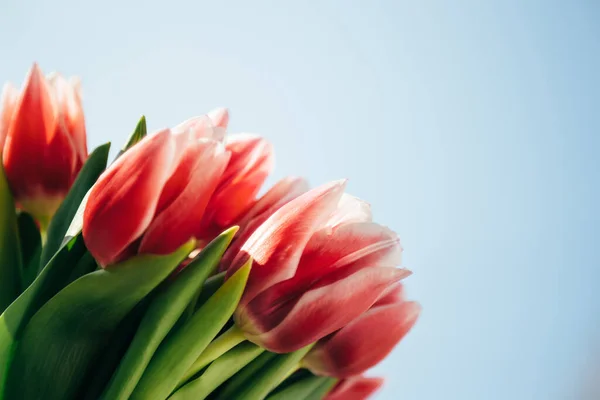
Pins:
x: 355, y: 388
x: 43, y: 139
x: 318, y: 264
x: 367, y: 340
x: 251, y: 162
x: 156, y: 193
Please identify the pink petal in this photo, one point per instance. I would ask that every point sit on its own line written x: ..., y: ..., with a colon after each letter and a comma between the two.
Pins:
x: 200, y: 127
x: 126, y: 196
x: 276, y: 246
x: 364, y: 342
x: 219, y: 117
x: 185, y: 197
x: 355, y: 388
x: 350, y: 209
x: 355, y: 245
x: 8, y: 102
x: 32, y: 125
x: 394, y: 294
x: 328, y: 306
x: 250, y: 164
x: 280, y: 194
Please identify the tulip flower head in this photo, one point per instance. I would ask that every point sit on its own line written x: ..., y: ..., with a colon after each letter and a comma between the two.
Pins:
x: 156, y: 192
x: 43, y: 141
x: 355, y: 388
x: 367, y: 340
x: 319, y: 262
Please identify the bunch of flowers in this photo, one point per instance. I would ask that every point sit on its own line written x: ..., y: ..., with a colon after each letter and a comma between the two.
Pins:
x: 166, y: 275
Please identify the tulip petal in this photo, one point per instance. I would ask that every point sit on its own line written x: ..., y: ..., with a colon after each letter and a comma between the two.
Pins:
x: 355, y: 246
x: 364, y: 342
x: 276, y: 245
x: 355, y: 388
x: 350, y: 209
x: 127, y: 194
x: 250, y: 163
x: 32, y: 123
x: 200, y: 127
x: 331, y: 304
x: 70, y: 112
x: 394, y: 294
x: 219, y: 117
x: 8, y: 102
x: 185, y: 197
x: 280, y: 194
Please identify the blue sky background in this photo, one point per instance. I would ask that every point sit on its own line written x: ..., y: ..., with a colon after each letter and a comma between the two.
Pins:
x: 473, y: 128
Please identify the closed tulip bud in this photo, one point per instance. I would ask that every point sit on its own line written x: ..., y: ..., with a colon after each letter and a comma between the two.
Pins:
x: 355, y: 388
x: 250, y: 163
x: 318, y: 264
x: 156, y: 193
x: 365, y: 341
x: 43, y: 139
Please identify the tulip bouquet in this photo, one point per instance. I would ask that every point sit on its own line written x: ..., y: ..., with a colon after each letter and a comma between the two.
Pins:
x: 165, y: 275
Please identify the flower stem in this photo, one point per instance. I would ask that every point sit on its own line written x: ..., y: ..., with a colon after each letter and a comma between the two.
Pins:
x: 218, y: 372
x: 216, y: 349
x: 272, y: 375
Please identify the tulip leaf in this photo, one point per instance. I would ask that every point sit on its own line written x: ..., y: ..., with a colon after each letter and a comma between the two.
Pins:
x: 162, y: 314
x: 104, y: 368
x: 218, y: 372
x: 67, y: 335
x: 311, y: 387
x: 272, y: 375
x: 10, y: 254
x: 138, y: 134
x: 245, y: 376
x: 93, y: 167
x: 49, y: 282
x: 31, y: 247
x: 179, y: 351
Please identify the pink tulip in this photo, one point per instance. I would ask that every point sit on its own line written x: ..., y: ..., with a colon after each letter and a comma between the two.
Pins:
x: 318, y: 264
x: 43, y: 139
x: 250, y: 163
x: 156, y: 193
x: 367, y: 340
x: 355, y: 388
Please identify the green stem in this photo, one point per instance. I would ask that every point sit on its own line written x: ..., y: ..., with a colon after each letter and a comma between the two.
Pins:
x: 272, y: 375
x: 308, y: 388
x: 245, y: 375
x: 215, y: 349
x: 218, y: 372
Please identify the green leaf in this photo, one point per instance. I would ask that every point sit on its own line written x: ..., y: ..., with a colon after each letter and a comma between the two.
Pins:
x: 138, y: 134
x: 218, y: 372
x: 31, y: 248
x: 221, y: 345
x: 163, y: 313
x: 98, y: 378
x: 64, y: 338
x: 245, y: 376
x: 209, y: 288
x: 179, y: 351
x: 272, y: 375
x: 49, y: 282
x: 93, y: 167
x: 311, y: 387
x: 10, y: 253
